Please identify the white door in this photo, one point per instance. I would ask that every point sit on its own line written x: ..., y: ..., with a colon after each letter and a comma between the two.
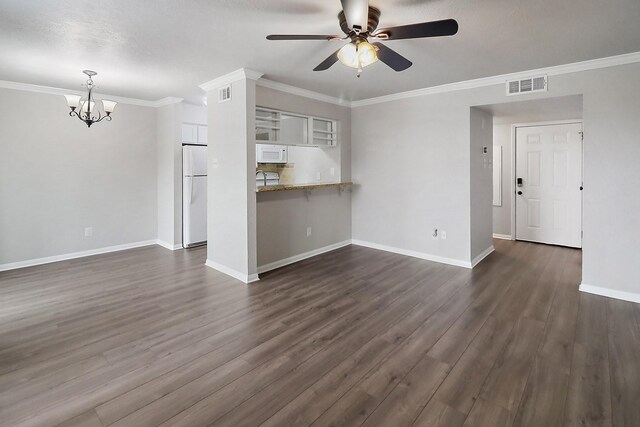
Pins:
x: 549, y: 184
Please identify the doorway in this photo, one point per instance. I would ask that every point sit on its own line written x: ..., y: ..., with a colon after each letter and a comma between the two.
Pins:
x: 548, y: 171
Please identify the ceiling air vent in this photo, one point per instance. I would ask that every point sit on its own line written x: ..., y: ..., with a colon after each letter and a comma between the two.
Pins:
x: 224, y: 93
x: 528, y: 85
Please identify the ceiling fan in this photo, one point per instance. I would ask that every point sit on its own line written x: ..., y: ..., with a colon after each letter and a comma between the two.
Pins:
x: 359, y: 22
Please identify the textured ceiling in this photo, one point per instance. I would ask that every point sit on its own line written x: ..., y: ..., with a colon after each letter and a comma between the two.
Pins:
x: 150, y: 49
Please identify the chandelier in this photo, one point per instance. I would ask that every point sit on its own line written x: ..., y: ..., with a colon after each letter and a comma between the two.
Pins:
x: 86, y: 108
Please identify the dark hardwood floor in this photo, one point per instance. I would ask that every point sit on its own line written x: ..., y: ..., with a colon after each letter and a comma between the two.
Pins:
x: 352, y: 337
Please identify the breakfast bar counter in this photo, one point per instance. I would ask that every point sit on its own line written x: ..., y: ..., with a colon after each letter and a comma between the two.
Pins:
x: 290, y: 187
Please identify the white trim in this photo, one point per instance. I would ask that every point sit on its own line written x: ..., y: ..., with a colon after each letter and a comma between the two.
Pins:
x: 168, y: 245
x: 283, y: 87
x: 482, y: 256
x: 234, y: 76
x: 415, y: 254
x: 73, y: 255
x: 610, y: 293
x: 502, y: 236
x: 167, y: 101
x: 302, y: 256
x: 60, y: 91
x: 231, y: 272
x: 611, y: 61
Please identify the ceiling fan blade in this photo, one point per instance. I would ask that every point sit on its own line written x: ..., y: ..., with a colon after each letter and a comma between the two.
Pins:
x: 356, y: 12
x: 446, y: 27
x: 302, y: 37
x: 327, y: 63
x: 392, y: 58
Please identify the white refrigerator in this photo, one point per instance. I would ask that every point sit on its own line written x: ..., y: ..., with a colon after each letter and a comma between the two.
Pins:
x: 194, y: 195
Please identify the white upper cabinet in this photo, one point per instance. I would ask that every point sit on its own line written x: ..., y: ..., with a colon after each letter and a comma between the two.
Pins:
x: 194, y: 134
x: 189, y: 134
x: 202, y: 135
x: 280, y: 127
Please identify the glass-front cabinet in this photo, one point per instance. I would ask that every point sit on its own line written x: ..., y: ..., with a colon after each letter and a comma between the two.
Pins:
x: 280, y: 127
x: 324, y: 133
x: 267, y: 126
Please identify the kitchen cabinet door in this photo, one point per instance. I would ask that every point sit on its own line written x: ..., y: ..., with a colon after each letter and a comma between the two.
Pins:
x: 202, y: 135
x: 189, y: 134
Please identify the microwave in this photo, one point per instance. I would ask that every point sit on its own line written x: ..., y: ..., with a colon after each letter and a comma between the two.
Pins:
x: 271, y: 153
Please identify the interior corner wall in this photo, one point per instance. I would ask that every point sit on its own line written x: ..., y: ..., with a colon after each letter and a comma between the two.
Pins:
x: 283, y: 217
x: 231, y: 197
x: 502, y: 214
x: 481, y: 182
x: 411, y: 163
x: 57, y: 177
x: 169, y: 176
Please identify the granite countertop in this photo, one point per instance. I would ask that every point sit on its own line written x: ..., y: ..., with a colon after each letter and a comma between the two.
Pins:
x: 289, y: 187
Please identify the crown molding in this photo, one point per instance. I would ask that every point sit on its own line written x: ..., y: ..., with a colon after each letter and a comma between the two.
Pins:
x: 282, y: 87
x: 611, y: 61
x: 234, y: 76
x: 60, y: 91
x: 167, y: 101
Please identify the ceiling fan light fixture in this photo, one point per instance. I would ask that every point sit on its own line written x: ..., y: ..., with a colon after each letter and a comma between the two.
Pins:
x: 358, y: 54
x: 348, y: 55
x: 367, y: 54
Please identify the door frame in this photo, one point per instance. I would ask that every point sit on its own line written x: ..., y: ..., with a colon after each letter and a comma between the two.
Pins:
x: 512, y: 185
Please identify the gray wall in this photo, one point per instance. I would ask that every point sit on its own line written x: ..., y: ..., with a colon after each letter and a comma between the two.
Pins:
x: 411, y: 166
x: 481, y: 135
x: 411, y: 158
x: 231, y: 197
x: 502, y: 214
x: 169, y: 176
x: 58, y: 177
x: 283, y: 217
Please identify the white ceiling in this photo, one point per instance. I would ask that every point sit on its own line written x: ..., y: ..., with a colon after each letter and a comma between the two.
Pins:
x: 150, y: 49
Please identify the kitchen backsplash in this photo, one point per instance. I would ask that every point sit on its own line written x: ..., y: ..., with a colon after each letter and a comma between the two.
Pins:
x: 285, y: 171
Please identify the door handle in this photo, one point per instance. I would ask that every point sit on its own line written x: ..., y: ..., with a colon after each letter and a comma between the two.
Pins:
x: 519, y: 193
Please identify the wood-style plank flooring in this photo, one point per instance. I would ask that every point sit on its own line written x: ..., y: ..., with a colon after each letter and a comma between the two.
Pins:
x: 353, y: 337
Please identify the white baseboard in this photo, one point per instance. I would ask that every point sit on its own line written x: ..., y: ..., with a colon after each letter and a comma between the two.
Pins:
x: 415, y: 254
x: 482, y: 256
x: 502, y: 236
x: 168, y: 245
x: 231, y: 272
x: 300, y: 257
x: 73, y: 255
x: 610, y: 293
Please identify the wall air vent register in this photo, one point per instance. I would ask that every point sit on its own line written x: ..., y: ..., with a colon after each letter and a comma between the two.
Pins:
x: 528, y: 85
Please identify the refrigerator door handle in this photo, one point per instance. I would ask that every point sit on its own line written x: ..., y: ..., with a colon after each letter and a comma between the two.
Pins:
x: 190, y: 183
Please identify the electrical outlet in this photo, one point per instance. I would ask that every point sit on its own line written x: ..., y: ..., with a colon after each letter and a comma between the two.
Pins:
x: 308, y: 231
x: 88, y: 231
x: 318, y: 176
x: 443, y: 235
